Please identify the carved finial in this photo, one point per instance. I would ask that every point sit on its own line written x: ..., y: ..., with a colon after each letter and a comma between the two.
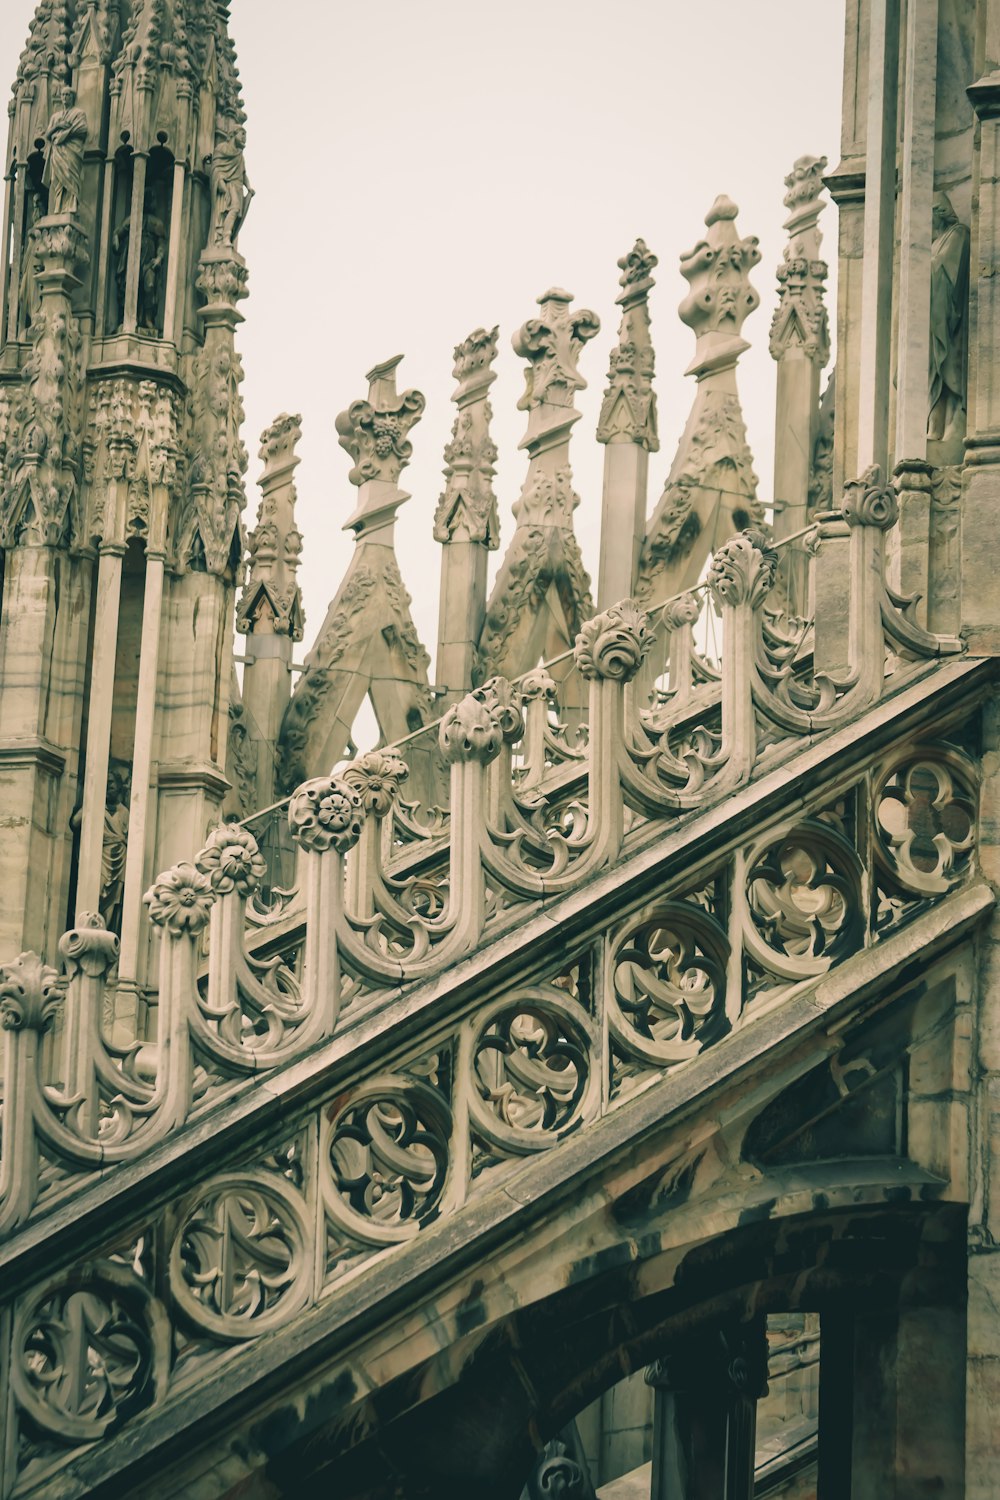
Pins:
x: 30, y: 992
x: 684, y: 610
x: 89, y: 947
x: 721, y: 297
x: 628, y: 413
x: 742, y: 570
x: 503, y: 700
x: 470, y: 731
x: 374, y: 432
x: 613, y: 645
x: 468, y: 506
x: 537, y: 684
x: 800, y: 319
x: 869, y: 502
x: 326, y: 813
x: 271, y: 602
x: 551, y: 344
x: 376, y: 777
x: 232, y: 860
x: 180, y: 900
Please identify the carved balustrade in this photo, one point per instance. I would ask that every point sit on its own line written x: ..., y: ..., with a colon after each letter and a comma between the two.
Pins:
x: 421, y: 1129
x: 534, y: 815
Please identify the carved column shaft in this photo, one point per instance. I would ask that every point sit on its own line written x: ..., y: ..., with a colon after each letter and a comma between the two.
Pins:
x: 466, y: 522
x: 627, y: 428
x: 874, y: 361
x: 705, y: 1415
x: 800, y: 344
x: 981, y: 478
x: 270, y: 610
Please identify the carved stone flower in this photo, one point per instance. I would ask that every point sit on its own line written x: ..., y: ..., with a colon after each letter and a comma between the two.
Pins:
x: 376, y: 777
x: 326, y: 813
x: 180, y: 900
x: 232, y: 860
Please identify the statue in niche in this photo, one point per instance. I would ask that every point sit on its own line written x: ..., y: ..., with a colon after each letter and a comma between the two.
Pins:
x: 231, y: 190
x: 65, y: 138
x: 152, y: 254
x: 27, y: 291
x: 114, y: 844
x: 949, y: 303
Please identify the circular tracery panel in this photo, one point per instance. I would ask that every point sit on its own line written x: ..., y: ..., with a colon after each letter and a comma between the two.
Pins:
x: 668, y: 990
x: 534, y: 1078
x: 88, y: 1353
x: 925, y: 815
x: 237, y: 1265
x: 805, y: 901
x: 386, y: 1159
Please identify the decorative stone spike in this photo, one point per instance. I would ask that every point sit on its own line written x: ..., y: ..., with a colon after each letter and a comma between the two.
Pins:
x: 711, y: 489
x: 800, y: 342
x: 628, y: 413
x: 271, y: 602
x: 466, y: 520
x: 368, y: 642
x: 627, y: 426
x: 544, y: 556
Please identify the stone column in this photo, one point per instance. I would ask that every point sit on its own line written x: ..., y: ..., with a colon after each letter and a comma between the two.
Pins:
x: 466, y: 522
x: 874, y: 348
x: 269, y: 613
x: 980, y: 545
x: 892, y: 1404
x: 705, y: 1414
x: 43, y: 636
x: 196, y: 639
x: 800, y: 343
x: 627, y: 428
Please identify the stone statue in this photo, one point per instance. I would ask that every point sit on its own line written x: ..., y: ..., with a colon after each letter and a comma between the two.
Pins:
x: 27, y: 291
x: 115, y: 845
x: 229, y: 183
x: 949, y: 303
x: 65, y: 137
x: 152, y: 253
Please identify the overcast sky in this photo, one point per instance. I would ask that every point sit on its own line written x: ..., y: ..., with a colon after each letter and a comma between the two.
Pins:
x: 422, y: 169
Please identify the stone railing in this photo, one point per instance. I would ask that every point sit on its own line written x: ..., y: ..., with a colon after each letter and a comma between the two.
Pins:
x: 362, y: 923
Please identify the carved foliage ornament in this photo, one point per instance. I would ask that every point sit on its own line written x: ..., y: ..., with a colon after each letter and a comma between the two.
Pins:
x: 551, y: 344
x: 614, y: 644
x: 470, y: 731
x: 869, y: 502
x: 377, y: 439
x: 743, y: 570
x: 30, y: 993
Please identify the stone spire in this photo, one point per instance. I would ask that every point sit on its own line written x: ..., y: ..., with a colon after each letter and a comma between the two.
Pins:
x: 543, y: 565
x: 121, y: 475
x: 627, y: 427
x: 711, y: 490
x: 466, y: 521
x: 800, y: 343
x: 368, y: 643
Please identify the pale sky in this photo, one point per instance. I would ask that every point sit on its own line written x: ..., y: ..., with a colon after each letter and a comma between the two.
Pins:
x: 422, y: 169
